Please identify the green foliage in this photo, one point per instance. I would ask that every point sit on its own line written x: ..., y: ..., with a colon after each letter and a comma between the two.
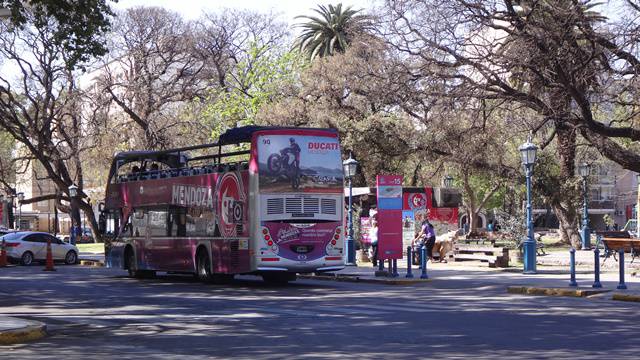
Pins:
x: 256, y: 82
x: 80, y: 25
x: 331, y: 32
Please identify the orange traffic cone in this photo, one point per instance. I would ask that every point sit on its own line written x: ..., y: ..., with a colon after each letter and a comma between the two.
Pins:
x: 3, y: 255
x: 49, y: 265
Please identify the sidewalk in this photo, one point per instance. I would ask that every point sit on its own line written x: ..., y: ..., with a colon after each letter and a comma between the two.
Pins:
x: 14, y: 330
x: 550, y: 280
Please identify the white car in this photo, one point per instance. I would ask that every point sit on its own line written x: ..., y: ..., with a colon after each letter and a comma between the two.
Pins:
x: 30, y: 246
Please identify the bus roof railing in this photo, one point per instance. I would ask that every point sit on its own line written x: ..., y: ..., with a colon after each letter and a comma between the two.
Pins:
x: 175, y: 158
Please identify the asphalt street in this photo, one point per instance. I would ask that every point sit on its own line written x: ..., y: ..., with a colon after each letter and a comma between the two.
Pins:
x: 101, y: 313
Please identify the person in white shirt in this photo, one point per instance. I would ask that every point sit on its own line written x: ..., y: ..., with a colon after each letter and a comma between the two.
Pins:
x: 373, y: 237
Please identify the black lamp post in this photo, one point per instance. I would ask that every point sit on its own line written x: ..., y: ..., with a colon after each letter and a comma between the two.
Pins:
x: 448, y: 181
x: 20, y: 199
x: 73, y: 193
x: 585, y: 169
x: 528, y: 152
x: 350, y: 167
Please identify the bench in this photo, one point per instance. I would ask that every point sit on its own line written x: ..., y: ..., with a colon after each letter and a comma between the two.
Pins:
x: 493, y: 256
x: 613, y: 245
x: 478, y: 241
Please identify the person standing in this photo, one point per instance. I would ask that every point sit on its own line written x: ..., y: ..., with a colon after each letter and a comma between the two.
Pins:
x: 373, y: 237
x: 428, y: 233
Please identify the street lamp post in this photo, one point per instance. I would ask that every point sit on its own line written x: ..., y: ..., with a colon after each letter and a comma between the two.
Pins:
x: 350, y: 167
x: 20, y: 198
x: 584, y: 170
x: 528, y: 151
x: 73, y: 192
x: 448, y: 181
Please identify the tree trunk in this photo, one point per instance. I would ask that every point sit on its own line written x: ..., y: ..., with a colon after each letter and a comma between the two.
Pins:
x: 561, y: 201
x: 568, y: 220
x: 473, y: 222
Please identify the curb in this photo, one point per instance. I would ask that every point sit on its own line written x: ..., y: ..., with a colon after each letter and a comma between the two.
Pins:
x: 34, y: 331
x: 94, y: 263
x: 526, y: 290
x: 357, y: 279
x: 625, y: 297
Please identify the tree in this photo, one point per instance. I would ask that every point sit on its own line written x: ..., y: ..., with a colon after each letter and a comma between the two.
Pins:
x: 151, y: 72
x: 332, y: 32
x: 248, y: 62
x: 40, y: 107
x: 553, y: 59
x: 80, y: 25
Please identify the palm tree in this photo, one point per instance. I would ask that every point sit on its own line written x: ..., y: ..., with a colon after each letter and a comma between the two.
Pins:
x: 331, y: 32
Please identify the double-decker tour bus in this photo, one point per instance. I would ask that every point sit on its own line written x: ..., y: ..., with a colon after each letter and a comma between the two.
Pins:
x: 273, y: 210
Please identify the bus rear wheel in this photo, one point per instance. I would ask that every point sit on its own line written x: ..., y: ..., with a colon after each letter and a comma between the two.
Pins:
x: 203, y: 267
x: 279, y: 277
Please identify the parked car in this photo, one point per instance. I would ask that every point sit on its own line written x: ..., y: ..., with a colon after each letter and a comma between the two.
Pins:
x: 85, y: 238
x: 29, y: 246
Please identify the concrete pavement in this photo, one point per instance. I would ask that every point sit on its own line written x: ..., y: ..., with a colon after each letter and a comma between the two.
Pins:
x: 14, y: 330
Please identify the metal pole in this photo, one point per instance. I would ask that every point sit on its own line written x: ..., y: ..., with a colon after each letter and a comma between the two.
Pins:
x: 596, y: 262
x: 395, y: 268
x: 20, y: 215
x: 409, y: 260
x: 621, y: 284
x: 351, y: 250
x: 423, y: 262
x: 586, y: 232
x: 529, y: 244
x: 572, y: 254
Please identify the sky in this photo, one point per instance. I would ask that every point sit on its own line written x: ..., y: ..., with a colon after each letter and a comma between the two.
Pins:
x: 191, y: 9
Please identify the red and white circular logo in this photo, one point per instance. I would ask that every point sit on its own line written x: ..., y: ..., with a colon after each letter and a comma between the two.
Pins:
x: 230, y: 211
x: 417, y: 201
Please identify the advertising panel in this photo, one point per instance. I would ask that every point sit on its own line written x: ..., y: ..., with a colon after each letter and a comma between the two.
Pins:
x: 389, y: 216
x: 289, y: 163
x: 365, y: 225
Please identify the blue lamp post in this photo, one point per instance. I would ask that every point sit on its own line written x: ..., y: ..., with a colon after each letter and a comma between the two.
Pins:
x: 585, y: 170
x: 528, y: 151
x: 350, y: 167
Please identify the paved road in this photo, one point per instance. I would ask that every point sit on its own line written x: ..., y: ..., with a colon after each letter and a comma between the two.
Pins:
x: 100, y: 313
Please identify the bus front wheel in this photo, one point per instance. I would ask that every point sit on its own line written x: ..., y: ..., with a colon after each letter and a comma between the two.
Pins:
x: 133, y: 268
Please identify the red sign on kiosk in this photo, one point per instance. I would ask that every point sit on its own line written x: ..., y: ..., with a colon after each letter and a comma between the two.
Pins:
x: 389, y: 216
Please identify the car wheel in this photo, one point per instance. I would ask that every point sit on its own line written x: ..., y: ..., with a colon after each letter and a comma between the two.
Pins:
x: 71, y: 258
x: 27, y: 258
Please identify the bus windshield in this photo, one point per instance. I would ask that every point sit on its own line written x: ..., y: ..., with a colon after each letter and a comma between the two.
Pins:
x: 299, y: 163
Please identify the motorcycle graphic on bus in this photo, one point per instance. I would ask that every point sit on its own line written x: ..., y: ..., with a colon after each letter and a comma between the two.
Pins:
x: 286, y: 163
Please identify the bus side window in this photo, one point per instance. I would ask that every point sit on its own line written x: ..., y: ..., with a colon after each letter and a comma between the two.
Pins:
x: 178, y: 222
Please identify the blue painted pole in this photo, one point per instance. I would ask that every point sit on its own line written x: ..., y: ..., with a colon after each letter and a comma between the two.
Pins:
x: 423, y: 262
x: 409, y: 259
x: 621, y: 284
x: 572, y: 257
x: 351, y: 248
x: 529, y: 245
x: 596, y: 282
x: 395, y: 269
x: 586, y: 232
